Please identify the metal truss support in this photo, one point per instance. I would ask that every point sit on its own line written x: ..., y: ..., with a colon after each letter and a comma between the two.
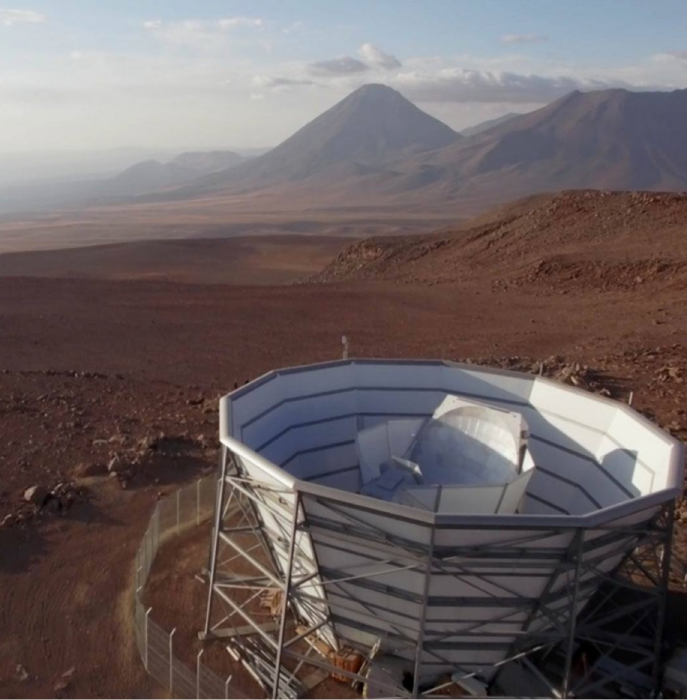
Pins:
x: 623, y: 624
x: 664, y: 583
x: 572, y: 615
x: 264, y: 552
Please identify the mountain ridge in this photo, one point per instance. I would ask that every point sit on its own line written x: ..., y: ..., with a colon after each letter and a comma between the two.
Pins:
x: 488, y: 124
x: 371, y: 128
x: 361, y: 151
x: 376, y: 149
x: 610, y: 139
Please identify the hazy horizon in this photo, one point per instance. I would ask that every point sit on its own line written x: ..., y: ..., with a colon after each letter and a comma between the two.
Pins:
x: 179, y: 75
x: 22, y: 168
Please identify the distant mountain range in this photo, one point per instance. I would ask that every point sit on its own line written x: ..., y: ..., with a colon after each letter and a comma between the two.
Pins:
x: 153, y: 176
x: 610, y: 139
x: 376, y: 148
x: 137, y: 180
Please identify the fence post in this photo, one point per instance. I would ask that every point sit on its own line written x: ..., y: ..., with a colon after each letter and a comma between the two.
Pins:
x: 226, y: 687
x: 146, y: 635
x: 157, y: 528
x: 198, y: 501
x: 178, y: 509
x: 200, y: 653
x: 154, y: 523
x: 151, y: 540
x: 171, y: 661
x: 148, y: 544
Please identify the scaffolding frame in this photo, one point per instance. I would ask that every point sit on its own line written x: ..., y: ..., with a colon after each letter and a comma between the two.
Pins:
x: 622, y: 621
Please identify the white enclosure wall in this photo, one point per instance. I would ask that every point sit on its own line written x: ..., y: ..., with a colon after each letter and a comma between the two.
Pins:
x: 443, y: 590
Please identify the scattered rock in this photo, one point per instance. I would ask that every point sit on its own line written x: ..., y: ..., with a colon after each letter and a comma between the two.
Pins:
x: 64, y: 495
x: 21, y: 673
x: 149, y: 443
x: 36, y: 495
x: 670, y: 373
x: 114, y: 463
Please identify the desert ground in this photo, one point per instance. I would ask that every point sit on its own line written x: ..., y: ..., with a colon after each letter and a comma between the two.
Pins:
x: 213, y: 218
x: 104, y: 355
x: 236, y: 261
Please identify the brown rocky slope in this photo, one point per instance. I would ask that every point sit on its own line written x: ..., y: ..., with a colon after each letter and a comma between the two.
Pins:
x: 565, y: 242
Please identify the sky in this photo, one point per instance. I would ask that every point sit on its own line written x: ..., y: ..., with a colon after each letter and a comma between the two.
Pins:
x: 179, y: 74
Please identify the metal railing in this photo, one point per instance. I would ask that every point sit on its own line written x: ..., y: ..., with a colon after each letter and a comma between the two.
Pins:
x: 188, y: 506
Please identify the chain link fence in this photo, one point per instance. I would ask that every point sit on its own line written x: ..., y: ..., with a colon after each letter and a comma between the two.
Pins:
x: 189, y: 506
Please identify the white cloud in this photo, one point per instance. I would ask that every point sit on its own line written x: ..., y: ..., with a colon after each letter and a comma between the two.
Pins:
x: 10, y: 17
x: 460, y: 85
x: 523, y: 38
x: 671, y: 56
x: 200, y: 33
x: 374, y: 56
x: 344, y: 65
x: 373, y: 59
x: 234, y: 22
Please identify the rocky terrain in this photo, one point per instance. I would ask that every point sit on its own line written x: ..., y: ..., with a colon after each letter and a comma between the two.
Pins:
x: 79, y: 426
x: 570, y: 242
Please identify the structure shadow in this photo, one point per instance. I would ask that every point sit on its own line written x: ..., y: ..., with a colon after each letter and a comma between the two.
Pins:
x: 622, y: 464
x: 20, y: 548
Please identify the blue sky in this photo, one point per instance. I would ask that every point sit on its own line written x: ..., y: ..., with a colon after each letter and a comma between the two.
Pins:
x: 80, y: 74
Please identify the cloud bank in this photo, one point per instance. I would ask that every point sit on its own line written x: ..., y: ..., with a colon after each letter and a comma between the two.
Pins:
x: 344, y: 65
x: 461, y: 85
x: 10, y: 17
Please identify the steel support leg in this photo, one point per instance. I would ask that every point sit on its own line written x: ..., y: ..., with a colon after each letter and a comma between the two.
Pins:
x: 285, y: 598
x: 215, y: 536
